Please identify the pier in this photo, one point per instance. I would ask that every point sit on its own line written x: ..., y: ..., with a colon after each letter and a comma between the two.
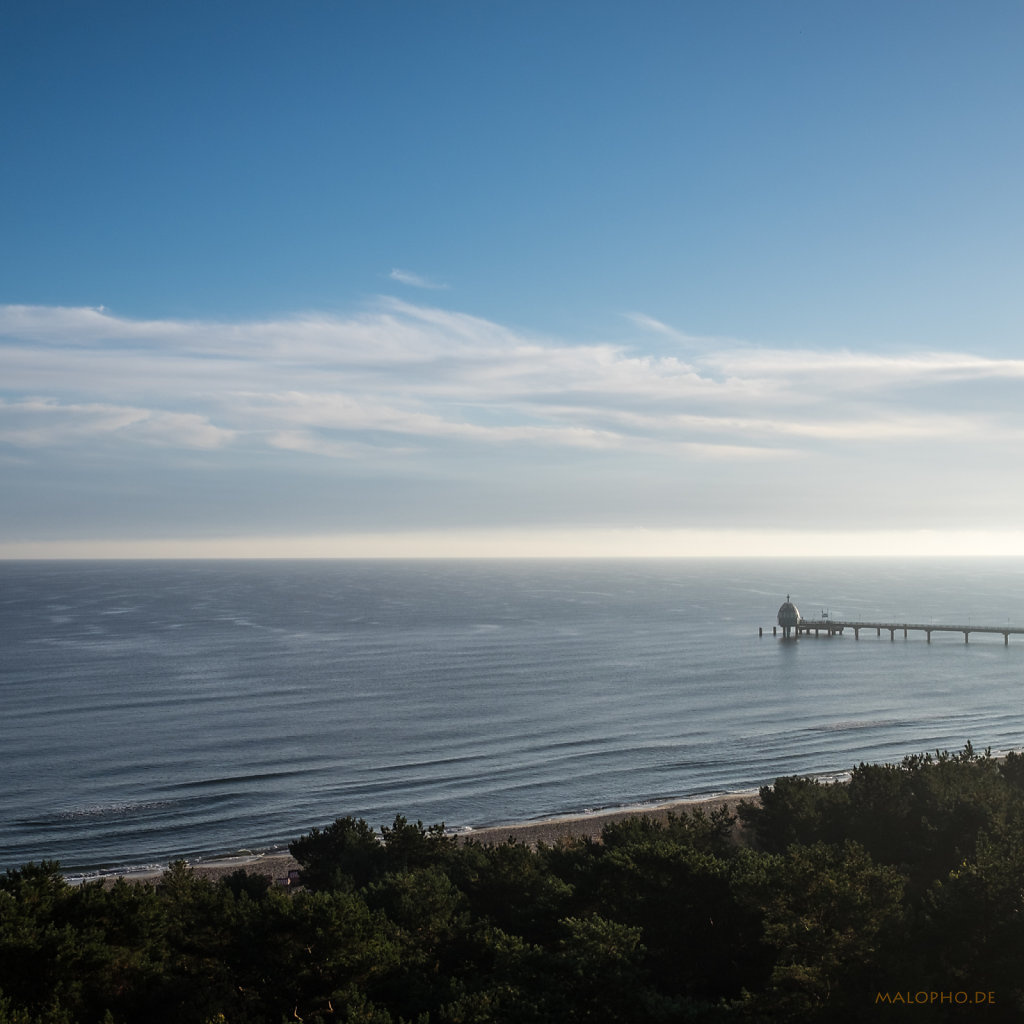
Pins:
x: 794, y: 625
x: 833, y: 627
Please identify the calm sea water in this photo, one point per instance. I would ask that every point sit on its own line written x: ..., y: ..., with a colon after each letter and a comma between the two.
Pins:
x: 163, y: 709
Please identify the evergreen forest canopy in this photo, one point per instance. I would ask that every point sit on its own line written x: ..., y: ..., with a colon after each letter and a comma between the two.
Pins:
x: 821, y: 903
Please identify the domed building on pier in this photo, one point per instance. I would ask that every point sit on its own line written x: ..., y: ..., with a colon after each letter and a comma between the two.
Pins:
x: 789, y: 616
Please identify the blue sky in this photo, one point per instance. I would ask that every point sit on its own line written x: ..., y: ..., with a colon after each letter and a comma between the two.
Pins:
x: 511, y: 278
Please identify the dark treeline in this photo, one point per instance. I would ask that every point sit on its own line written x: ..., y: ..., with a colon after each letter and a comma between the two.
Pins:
x: 822, y: 903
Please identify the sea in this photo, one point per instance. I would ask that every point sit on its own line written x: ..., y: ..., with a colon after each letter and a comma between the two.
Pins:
x: 151, y: 711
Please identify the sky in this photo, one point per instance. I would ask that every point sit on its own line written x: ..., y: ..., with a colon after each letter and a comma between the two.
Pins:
x: 482, y: 278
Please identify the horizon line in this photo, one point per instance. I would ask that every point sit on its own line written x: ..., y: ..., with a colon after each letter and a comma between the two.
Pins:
x: 537, y: 544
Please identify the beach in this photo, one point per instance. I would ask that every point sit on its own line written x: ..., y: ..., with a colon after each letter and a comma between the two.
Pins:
x: 588, y: 826
x: 549, y: 831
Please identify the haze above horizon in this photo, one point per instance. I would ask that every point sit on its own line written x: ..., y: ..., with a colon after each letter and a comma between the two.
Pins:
x: 510, y: 279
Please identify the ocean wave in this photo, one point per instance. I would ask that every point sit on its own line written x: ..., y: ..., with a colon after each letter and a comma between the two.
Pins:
x: 99, y: 812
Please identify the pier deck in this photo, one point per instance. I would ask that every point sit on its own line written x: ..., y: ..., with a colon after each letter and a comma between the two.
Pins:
x: 833, y: 627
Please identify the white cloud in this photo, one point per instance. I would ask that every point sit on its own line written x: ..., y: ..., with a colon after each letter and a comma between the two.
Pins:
x: 885, y: 427
x: 45, y: 422
x: 402, y: 413
x: 654, y: 326
x: 648, y: 323
x: 314, y: 444
x: 414, y: 280
x: 846, y: 371
x: 398, y: 376
x: 341, y: 412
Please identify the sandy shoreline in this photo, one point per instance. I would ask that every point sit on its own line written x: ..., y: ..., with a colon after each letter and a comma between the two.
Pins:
x: 549, y: 831
x: 276, y: 866
x: 580, y: 826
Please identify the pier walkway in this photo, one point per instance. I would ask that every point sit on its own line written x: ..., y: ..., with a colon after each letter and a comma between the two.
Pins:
x: 833, y: 627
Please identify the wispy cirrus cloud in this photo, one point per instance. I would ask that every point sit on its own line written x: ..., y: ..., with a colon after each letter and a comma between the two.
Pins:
x: 45, y: 422
x: 845, y: 371
x: 654, y: 326
x: 397, y: 376
x: 415, y: 280
x: 362, y: 418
